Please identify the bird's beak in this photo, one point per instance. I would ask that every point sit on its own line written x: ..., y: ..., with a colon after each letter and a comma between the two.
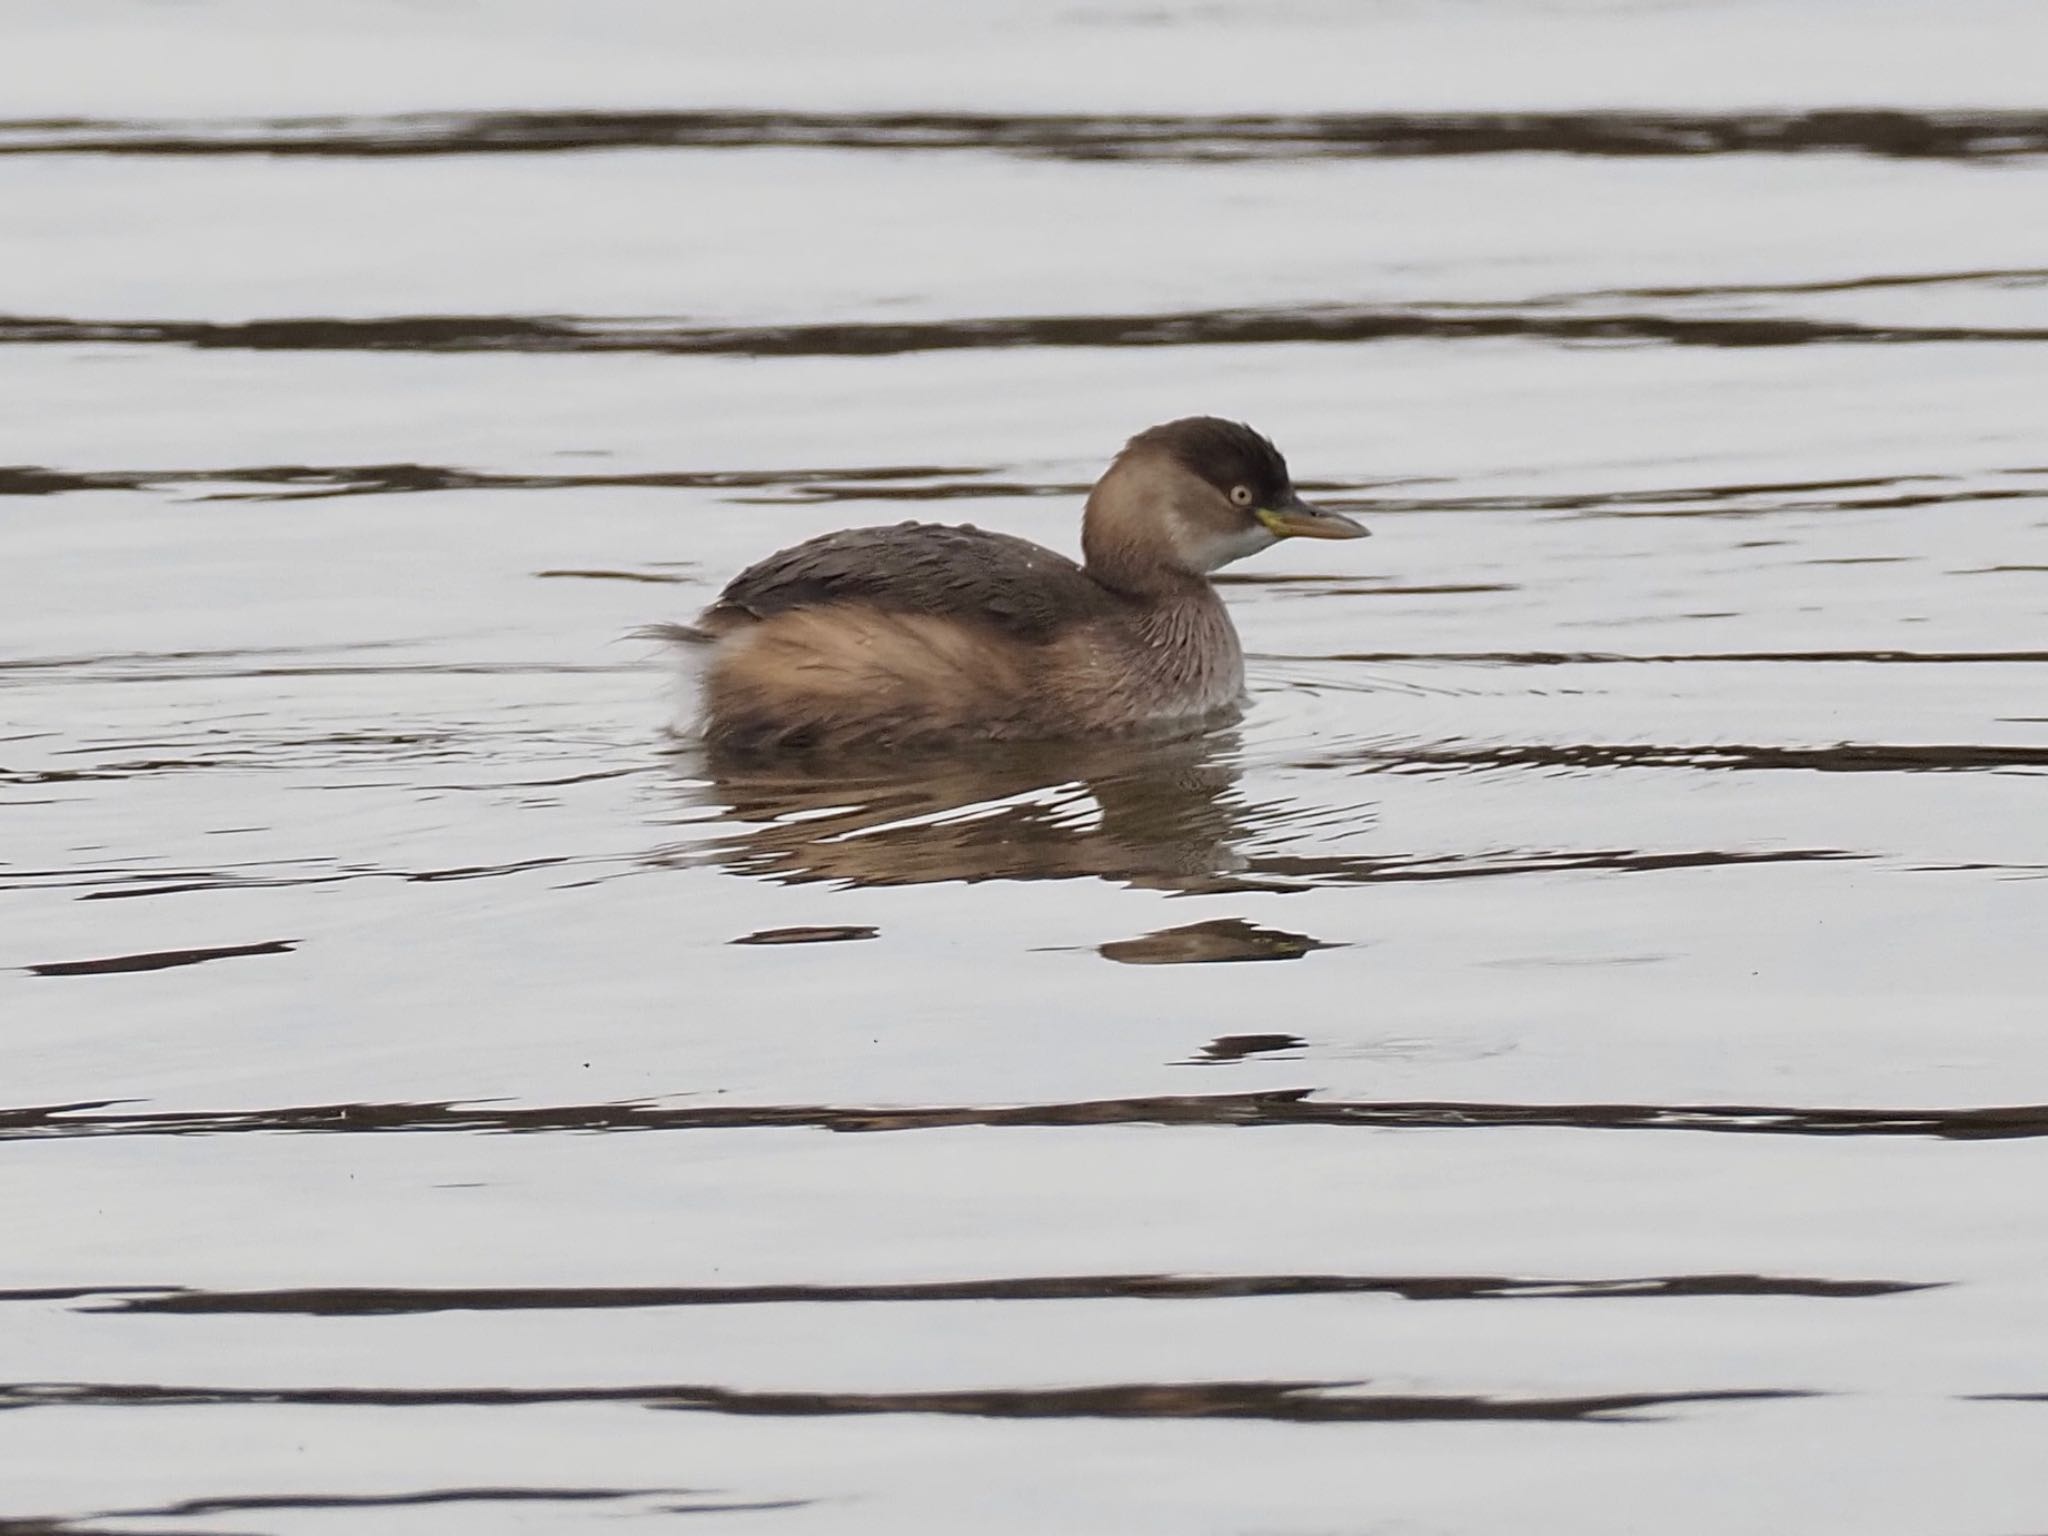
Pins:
x: 1296, y: 519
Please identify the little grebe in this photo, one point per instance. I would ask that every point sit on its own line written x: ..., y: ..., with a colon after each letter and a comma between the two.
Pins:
x: 924, y: 633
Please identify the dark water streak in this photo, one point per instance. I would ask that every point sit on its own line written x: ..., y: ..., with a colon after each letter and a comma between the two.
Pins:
x: 1215, y: 941
x: 1841, y: 757
x: 1675, y: 658
x: 1335, y: 323
x: 159, y: 960
x: 377, y: 1301
x: 691, y: 1501
x: 220, y: 1506
x: 1306, y: 1402
x: 1893, y: 134
x: 1226, y: 1049
x: 1278, y: 1107
x: 305, y: 482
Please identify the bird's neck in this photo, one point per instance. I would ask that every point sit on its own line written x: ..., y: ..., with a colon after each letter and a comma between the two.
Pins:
x: 1188, y: 646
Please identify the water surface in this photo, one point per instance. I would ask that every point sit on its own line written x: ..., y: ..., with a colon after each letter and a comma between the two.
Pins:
x: 1577, y: 1037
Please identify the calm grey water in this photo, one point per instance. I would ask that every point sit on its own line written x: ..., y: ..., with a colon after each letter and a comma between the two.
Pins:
x: 1571, y: 1060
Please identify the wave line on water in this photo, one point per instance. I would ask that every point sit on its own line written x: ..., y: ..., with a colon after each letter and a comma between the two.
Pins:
x: 653, y: 1501
x: 159, y: 960
x: 1839, y: 757
x: 372, y: 1301
x: 1326, y: 324
x: 1313, y: 1402
x: 932, y: 483
x: 310, y: 481
x: 250, y: 1503
x: 1278, y: 1107
x: 1196, y: 138
x: 1666, y: 658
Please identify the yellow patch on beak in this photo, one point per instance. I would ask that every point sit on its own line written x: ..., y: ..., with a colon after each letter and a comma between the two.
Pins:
x: 1302, y: 521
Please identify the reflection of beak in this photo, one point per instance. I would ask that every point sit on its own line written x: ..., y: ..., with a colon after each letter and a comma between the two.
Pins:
x: 1296, y: 519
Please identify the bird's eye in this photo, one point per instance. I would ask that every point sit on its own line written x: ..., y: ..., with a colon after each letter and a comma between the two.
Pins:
x: 1241, y: 494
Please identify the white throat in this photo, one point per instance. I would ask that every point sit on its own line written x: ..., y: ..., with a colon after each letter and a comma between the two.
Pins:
x: 1205, y: 552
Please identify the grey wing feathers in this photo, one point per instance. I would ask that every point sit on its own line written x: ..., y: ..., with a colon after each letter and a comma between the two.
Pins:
x: 1018, y: 587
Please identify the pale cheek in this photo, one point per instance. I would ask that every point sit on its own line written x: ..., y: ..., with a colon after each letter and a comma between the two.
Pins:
x: 1209, y: 552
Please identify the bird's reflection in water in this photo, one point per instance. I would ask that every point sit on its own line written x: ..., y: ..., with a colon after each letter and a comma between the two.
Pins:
x: 1151, y: 814
x: 1167, y: 816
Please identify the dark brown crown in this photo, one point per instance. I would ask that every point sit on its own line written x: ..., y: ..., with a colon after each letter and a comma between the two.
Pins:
x: 1224, y: 453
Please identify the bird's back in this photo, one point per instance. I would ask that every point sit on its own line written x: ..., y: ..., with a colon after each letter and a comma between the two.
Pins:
x: 1011, y: 585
